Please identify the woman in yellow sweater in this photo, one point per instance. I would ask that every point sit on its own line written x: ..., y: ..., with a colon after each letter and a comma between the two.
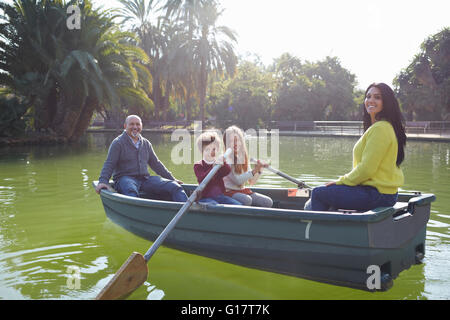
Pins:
x: 376, y: 174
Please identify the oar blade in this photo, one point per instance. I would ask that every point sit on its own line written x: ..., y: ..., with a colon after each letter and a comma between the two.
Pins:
x: 131, y: 275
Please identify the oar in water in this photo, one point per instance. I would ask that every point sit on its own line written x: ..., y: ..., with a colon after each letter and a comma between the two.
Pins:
x: 299, y: 183
x: 134, y: 272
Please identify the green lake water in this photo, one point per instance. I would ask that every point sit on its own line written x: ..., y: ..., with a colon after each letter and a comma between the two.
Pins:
x: 56, y: 242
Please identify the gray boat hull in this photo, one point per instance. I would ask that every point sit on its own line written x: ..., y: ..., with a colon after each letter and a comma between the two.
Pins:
x: 332, y: 247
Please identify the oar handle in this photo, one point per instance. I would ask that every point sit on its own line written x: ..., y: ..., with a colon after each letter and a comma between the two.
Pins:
x: 184, y: 208
x: 299, y: 183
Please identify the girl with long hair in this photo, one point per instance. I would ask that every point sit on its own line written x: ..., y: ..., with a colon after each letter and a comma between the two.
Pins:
x: 241, y: 173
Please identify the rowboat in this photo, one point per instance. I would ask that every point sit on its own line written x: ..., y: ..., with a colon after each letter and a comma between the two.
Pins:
x: 364, y: 250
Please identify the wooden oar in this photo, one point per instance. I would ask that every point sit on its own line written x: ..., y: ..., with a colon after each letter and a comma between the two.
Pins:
x: 134, y: 272
x: 299, y: 183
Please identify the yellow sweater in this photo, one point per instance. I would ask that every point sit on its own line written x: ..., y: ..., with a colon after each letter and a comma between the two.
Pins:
x: 374, y: 160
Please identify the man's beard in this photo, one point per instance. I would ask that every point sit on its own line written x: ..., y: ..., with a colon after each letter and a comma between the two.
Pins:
x: 135, y: 134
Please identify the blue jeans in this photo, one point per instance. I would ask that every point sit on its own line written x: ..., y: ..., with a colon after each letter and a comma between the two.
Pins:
x: 222, y: 199
x: 151, y: 187
x: 360, y: 198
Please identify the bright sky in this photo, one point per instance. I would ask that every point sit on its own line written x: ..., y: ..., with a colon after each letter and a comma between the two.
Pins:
x: 373, y: 39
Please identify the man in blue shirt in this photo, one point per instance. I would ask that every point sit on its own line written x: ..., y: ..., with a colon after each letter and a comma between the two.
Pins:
x: 127, y: 160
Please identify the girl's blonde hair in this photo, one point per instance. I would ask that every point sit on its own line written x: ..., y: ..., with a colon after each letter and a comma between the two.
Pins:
x: 240, y: 160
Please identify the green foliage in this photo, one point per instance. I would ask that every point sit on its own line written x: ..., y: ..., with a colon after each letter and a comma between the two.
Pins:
x: 12, y: 121
x: 243, y: 100
x: 323, y: 90
x: 423, y: 87
x: 63, y: 75
x: 287, y: 90
x: 358, y: 98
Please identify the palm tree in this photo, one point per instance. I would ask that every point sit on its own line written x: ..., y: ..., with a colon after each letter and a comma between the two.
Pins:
x: 186, y: 11
x: 137, y: 11
x: 63, y: 74
x: 161, y: 40
x: 184, y: 47
x: 23, y: 62
x: 213, y: 50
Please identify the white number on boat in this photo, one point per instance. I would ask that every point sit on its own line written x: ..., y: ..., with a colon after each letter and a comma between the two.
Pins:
x: 308, y: 227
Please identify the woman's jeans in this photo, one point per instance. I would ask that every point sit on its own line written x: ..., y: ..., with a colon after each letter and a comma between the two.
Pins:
x: 153, y: 187
x: 222, y: 199
x: 360, y: 198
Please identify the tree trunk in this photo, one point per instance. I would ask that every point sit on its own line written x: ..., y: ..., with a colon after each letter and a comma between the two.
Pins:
x: 84, y: 119
x: 187, y: 111
x: 59, y: 112
x: 190, y: 88
x: 52, y: 105
x: 157, y: 96
x: 166, y: 101
x: 40, y: 114
x: 67, y: 117
x: 202, y: 91
x: 66, y: 128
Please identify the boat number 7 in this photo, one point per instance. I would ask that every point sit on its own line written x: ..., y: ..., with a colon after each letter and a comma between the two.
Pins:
x: 308, y: 227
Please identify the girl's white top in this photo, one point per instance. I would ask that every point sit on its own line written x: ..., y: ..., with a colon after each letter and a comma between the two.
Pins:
x: 235, y: 181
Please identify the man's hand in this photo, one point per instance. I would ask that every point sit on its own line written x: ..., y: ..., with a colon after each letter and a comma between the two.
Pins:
x: 330, y: 183
x: 101, y: 186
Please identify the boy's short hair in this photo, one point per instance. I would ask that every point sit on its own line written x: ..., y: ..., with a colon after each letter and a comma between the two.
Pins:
x: 206, y: 138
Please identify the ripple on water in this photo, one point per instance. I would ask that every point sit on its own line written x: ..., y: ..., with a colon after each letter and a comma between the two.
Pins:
x: 29, y: 271
x: 436, y: 268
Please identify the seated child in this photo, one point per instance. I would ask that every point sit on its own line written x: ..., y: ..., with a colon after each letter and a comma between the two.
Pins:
x: 209, y: 144
x: 241, y: 173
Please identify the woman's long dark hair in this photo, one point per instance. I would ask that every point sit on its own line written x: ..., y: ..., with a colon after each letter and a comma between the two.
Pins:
x: 391, y: 112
